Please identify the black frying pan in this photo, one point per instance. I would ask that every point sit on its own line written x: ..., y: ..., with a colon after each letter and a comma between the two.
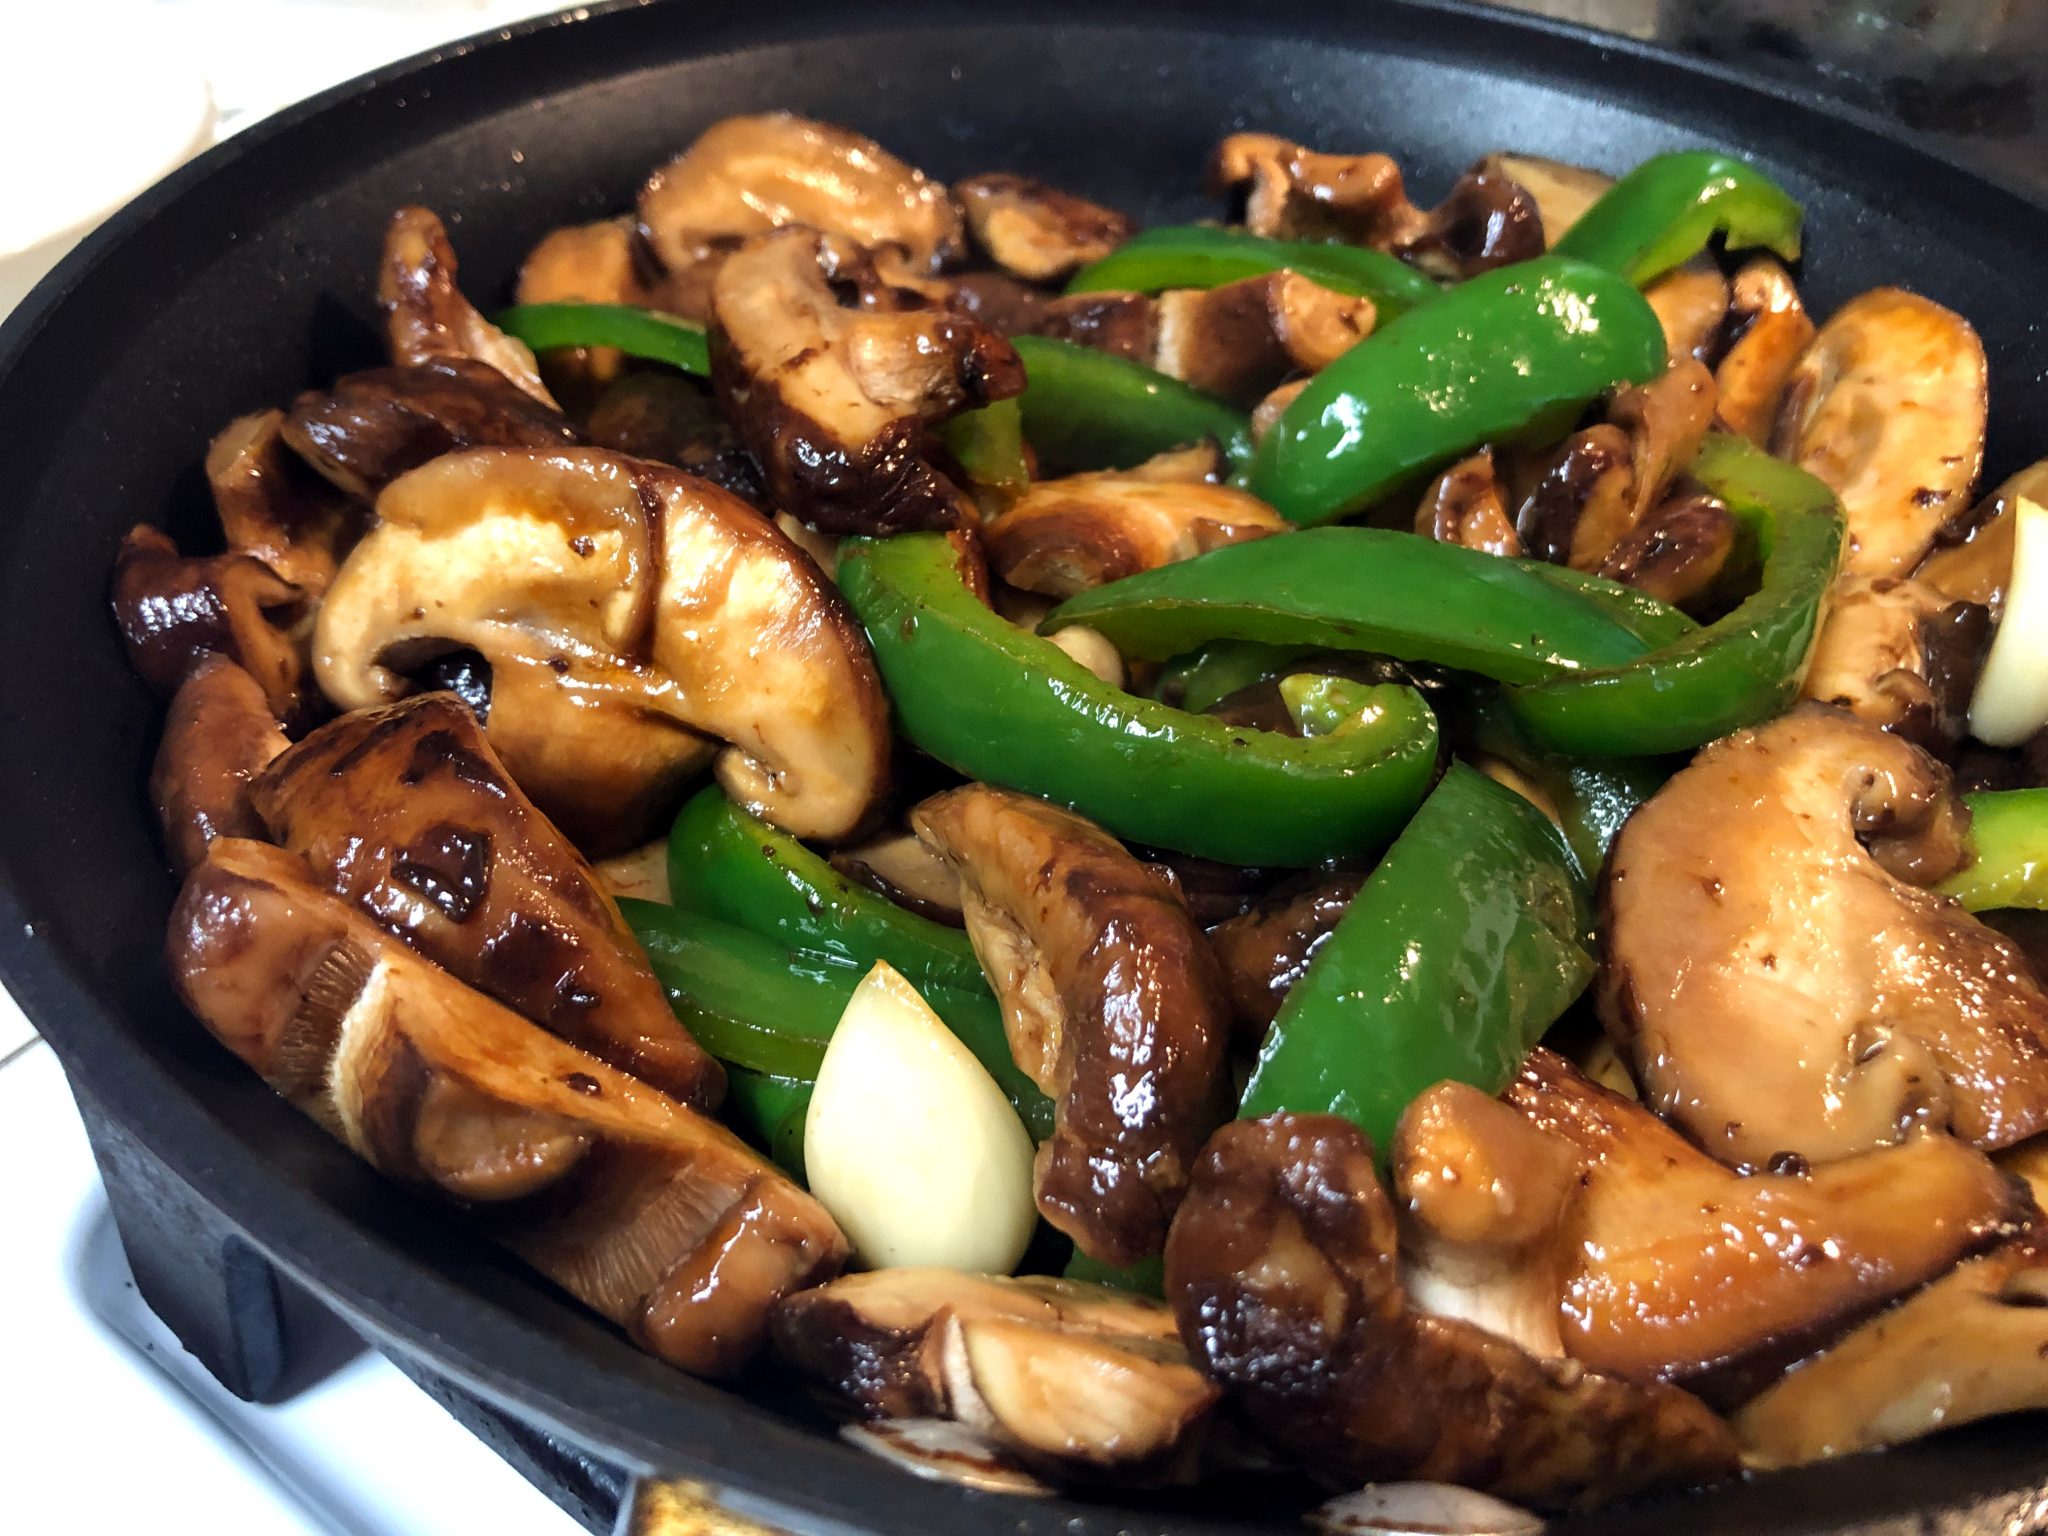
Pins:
x: 249, y: 276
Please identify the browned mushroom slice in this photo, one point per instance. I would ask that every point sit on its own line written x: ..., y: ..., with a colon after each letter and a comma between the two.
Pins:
x: 406, y: 811
x: 1076, y: 1379
x: 1562, y: 191
x: 653, y: 1216
x: 745, y: 176
x: 1887, y: 406
x: 1666, y: 420
x: 1691, y: 303
x: 1971, y: 562
x: 1676, y: 1267
x: 1971, y: 1345
x: 1779, y: 975
x: 1064, y: 536
x: 1465, y: 505
x: 269, y: 510
x: 173, y: 609
x: 1484, y: 222
x: 639, y: 873
x: 1267, y: 413
x: 1035, y: 231
x: 1283, y: 1271
x: 1266, y: 950
x: 1239, y: 340
x: 1767, y: 329
x: 832, y: 381
x: 426, y: 315
x: 899, y: 866
x: 1111, y: 1000
x: 1121, y: 324
x: 659, y: 415
x: 601, y: 587
x: 589, y: 264
x: 371, y: 427
x: 1677, y: 552
x: 217, y: 737
x: 1583, y: 500
x: 1895, y: 652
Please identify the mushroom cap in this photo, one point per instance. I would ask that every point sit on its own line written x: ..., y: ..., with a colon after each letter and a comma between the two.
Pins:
x: 603, y: 588
x: 1779, y: 976
x: 426, y: 315
x: 218, y: 735
x: 1264, y: 951
x: 1283, y: 1271
x: 1771, y: 331
x: 1239, y: 339
x: 1067, y: 535
x: 1887, y: 406
x: 271, y: 508
x: 657, y: 1218
x: 1111, y: 1001
x: 832, y: 376
x: 1035, y: 231
x: 404, y: 810
x: 744, y: 176
x: 1466, y: 505
x: 1677, y: 552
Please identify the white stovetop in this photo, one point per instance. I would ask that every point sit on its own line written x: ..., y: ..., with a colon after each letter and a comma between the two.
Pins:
x: 101, y: 1413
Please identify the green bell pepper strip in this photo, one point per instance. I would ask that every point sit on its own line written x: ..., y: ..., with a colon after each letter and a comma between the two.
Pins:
x: 1489, y: 358
x: 1591, y: 796
x: 1358, y: 589
x: 1650, y: 620
x: 1085, y: 409
x: 1663, y: 213
x: 1002, y: 705
x: 755, y: 1004
x: 728, y: 864
x: 1200, y: 680
x: 1147, y: 1277
x: 768, y: 1112
x: 1739, y: 670
x: 2009, y: 833
x: 988, y: 445
x: 648, y: 333
x: 1204, y: 256
x: 1464, y: 945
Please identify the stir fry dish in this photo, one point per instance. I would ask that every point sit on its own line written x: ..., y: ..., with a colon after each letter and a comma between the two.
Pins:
x: 1368, y: 844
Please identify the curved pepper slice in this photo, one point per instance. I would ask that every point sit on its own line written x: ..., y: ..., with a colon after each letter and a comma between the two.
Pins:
x: 769, y: 1113
x: 1004, y: 706
x: 1203, y: 256
x: 1201, y: 679
x: 988, y: 445
x: 1085, y: 409
x: 1359, y: 589
x: 1589, y: 797
x: 2009, y: 835
x: 1651, y: 620
x: 728, y: 864
x: 647, y: 333
x: 1462, y: 947
x: 771, y: 1011
x: 1740, y: 669
x: 1516, y: 351
x: 1662, y: 213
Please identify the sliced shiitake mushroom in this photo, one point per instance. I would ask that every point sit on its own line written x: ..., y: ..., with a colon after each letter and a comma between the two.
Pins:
x: 660, y: 415
x: 1122, y: 324
x: 1066, y: 535
x: 1691, y: 304
x: 1583, y: 499
x: 1778, y: 973
x: 745, y: 176
x: 1111, y: 1000
x: 1266, y: 950
x: 648, y: 1213
x: 172, y: 609
x: 1768, y: 330
x: 1466, y: 505
x: 218, y: 736
x: 405, y: 810
x: 1562, y: 191
x: 1677, y: 552
x: 369, y: 428
x: 1035, y: 231
x: 1971, y: 1345
x: 601, y: 263
x: 270, y: 507
x: 426, y: 316
x: 1887, y: 406
x: 627, y: 612
x: 1075, y: 1379
x: 1971, y: 562
x: 1897, y: 653
x: 832, y: 377
x: 1238, y: 340
x: 1673, y: 1267
x: 1283, y: 1270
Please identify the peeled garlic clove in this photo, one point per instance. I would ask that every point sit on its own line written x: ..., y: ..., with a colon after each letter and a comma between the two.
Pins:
x: 910, y: 1144
x: 2011, y: 701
